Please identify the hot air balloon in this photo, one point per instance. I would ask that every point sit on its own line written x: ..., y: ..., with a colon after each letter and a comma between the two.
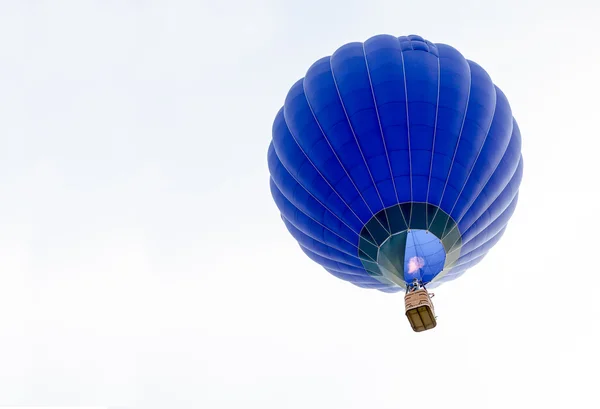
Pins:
x: 396, y: 164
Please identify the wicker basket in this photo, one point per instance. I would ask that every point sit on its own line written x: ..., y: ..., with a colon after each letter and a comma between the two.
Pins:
x: 419, y: 310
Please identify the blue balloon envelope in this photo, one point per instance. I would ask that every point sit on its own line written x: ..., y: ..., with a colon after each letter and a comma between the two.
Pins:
x: 395, y: 160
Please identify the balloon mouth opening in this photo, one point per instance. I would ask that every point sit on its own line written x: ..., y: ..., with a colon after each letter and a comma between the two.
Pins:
x: 408, y: 242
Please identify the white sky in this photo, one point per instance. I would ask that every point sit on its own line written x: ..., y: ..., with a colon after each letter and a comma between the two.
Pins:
x: 143, y: 263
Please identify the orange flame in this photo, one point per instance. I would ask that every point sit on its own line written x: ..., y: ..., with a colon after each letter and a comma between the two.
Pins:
x: 414, y: 264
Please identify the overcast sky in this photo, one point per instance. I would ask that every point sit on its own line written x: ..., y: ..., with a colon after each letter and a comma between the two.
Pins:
x: 143, y: 263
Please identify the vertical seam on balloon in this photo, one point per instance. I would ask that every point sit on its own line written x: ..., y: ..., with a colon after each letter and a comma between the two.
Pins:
x: 407, y: 135
x: 510, y: 208
x: 319, y: 223
x: 474, y: 162
x: 514, y: 194
x: 437, y: 109
x: 360, y: 150
x: 499, y: 193
x: 472, y: 202
x: 491, y: 204
x: 381, y: 131
x: 313, y: 196
x: 317, y: 240
x: 486, y: 241
x: 338, y: 265
x: 340, y: 163
x: 457, y: 143
x: 467, y: 264
x: 317, y: 169
x: 453, y: 274
x: 343, y: 168
x: 327, y: 246
x: 325, y: 207
x: 485, y: 229
x: 327, y: 258
x: 354, y: 277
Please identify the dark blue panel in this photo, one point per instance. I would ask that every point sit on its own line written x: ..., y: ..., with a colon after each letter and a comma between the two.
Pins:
x: 305, y: 173
x: 321, y: 249
x: 358, y: 281
x: 304, y: 200
x: 386, y: 68
x: 489, y: 232
x: 478, y: 252
x: 502, y: 202
x: 454, y: 94
x: 309, y: 226
x: 480, y: 111
x: 459, y: 271
x: 422, y: 89
x: 485, y: 215
x: 382, y: 55
x: 354, y: 181
x: 491, y: 153
x: 307, y: 137
x: 357, y: 272
x: 501, y: 177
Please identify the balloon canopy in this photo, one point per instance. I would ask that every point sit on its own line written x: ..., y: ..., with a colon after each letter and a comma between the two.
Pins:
x: 395, y: 160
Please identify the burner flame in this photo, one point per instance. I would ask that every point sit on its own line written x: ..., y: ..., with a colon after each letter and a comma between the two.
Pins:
x: 414, y: 264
